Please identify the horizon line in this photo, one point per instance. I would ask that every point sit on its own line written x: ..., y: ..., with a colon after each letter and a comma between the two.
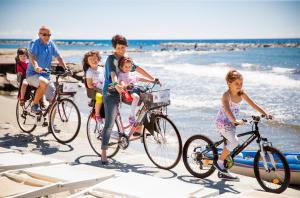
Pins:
x: 160, y: 38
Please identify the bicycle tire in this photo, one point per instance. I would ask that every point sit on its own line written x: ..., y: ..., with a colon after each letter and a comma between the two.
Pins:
x: 198, y: 157
x: 61, y: 112
x: 92, y: 136
x: 285, y: 168
x: 18, y: 116
x: 162, y: 142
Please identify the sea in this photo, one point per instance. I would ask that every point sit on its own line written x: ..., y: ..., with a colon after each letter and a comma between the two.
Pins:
x: 194, y: 71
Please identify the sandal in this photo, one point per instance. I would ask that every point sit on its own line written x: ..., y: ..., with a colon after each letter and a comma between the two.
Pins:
x: 22, y: 102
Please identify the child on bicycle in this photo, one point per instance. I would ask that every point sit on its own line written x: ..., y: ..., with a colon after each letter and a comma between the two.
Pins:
x: 227, y: 117
x: 126, y: 77
x: 94, y: 78
x: 21, y: 67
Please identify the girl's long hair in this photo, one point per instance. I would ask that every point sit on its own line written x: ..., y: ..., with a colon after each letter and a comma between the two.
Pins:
x: 85, y: 63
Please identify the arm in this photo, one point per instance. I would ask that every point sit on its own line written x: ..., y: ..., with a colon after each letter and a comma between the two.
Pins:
x: 61, y: 62
x: 252, y: 104
x: 114, y: 78
x: 35, y: 65
x: 146, y: 80
x: 89, y: 83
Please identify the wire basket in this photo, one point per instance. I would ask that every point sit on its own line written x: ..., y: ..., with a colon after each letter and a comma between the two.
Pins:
x: 156, y: 99
x: 67, y: 87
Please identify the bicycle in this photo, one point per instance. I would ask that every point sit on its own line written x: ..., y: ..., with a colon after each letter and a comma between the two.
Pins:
x: 64, y: 117
x: 270, y: 166
x: 160, y: 136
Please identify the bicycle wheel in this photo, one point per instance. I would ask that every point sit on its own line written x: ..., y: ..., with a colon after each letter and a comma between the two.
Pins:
x: 277, y: 177
x: 198, y: 156
x: 163, y: 144
x: 26, y: 120
x: 94, y: 134
x: 65, y: 120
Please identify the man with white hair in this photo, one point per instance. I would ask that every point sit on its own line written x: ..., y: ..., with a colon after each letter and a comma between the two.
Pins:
x: 41, y: 52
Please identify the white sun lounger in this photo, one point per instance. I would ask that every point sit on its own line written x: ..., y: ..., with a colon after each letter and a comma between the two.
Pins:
x: 47, y: 180
x: 18, y: 160
x: 133, y: 185
x: 5, y: 150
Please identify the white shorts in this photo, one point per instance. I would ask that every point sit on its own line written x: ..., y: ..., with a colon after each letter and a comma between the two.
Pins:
x: 35, y: 82
x: 229, y: 133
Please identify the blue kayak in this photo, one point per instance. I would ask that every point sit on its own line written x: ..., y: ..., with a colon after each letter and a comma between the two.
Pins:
x: 243, y: 164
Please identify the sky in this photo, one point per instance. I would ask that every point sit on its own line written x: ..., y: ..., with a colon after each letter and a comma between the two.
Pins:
x: 151, y: 19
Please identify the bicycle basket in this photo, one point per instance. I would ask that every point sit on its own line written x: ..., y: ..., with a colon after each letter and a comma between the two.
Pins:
x: 156, y: 99
x: 67, y: 87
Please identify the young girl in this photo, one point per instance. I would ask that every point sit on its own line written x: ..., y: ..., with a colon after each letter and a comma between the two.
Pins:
x: 21, y: 67
x: 227, y: 117
x: 126, y: 77
x: 94, y: 78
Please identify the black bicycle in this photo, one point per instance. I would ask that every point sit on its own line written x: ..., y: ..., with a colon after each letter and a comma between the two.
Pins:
x: 270, y: 166
x: 63, y: 114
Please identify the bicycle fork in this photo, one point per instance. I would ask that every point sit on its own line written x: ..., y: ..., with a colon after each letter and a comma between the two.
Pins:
x: 263, y: 143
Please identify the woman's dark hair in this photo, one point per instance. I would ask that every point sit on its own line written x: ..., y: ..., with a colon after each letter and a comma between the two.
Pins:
x: 21, y: 51
x: 85, y: 63
x: 124, y: 60
x: 118, y: 39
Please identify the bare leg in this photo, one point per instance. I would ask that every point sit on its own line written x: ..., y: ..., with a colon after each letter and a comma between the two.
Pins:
x: 97, y: 109
x: 103, y: 155
x: 40, y: 91
x: 224, y: 153
x: 23, y: 90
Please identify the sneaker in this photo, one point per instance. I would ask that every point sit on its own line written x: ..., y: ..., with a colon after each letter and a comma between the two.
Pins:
x: 216, y: 165
x: 131, y: 119
x: 35, y: 108
x: 228, y: 176
x: 55, y: 128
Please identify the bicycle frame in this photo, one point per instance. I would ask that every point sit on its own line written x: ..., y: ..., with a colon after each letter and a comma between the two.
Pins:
x: 254, y: 135
x: 56, y: 98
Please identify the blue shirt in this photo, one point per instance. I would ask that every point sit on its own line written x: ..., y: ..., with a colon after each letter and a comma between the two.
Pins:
x: 111, y: 65
x: 43, y: 54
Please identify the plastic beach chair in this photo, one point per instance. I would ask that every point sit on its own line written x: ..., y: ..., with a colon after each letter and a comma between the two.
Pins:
x: 48, y: 180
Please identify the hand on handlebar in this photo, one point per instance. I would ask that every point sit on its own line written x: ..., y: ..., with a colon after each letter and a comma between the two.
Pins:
x: 240, y: 122
x: 38, y: 69
x: 119, y: 88
x: 156, y: 81
x: 267, y: 117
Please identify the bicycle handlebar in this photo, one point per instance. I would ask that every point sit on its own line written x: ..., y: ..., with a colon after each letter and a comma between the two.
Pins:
x: 256, y: 119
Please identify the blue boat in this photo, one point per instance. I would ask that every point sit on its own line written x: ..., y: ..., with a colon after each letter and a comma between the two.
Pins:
x: 243, y: 164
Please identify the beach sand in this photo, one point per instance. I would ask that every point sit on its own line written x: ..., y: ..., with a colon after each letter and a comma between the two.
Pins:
x: 130, y: 160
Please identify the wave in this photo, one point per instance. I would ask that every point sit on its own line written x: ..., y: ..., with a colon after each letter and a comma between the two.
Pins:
x: 249, y: 65
x: 192, y: 103
x: 218, y: 71
x: 282, y: 70
x: 178, y: 53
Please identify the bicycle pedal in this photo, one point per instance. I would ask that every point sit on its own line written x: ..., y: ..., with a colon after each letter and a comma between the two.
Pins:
x: 45, y: 124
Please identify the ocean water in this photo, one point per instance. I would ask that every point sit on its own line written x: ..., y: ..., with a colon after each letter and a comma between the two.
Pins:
x: 195, y: 75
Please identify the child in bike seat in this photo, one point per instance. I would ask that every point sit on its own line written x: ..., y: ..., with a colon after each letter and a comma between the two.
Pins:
x: 227, y: 117
x: 94, y: 75
x: 21, y: 67
x: 125, y: 78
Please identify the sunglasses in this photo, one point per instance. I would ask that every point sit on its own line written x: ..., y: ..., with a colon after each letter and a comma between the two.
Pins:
x: 45, y: 34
